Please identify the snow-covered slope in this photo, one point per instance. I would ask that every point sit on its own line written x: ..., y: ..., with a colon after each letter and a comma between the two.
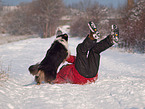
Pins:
x: 121, y: 82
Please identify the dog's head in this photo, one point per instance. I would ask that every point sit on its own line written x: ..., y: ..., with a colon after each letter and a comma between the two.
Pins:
x: 63, y: 39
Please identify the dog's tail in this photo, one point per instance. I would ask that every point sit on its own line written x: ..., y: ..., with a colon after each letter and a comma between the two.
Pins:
x: 33, y: 69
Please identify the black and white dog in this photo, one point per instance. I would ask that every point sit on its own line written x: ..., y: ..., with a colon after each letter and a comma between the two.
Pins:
x: 46, y: 70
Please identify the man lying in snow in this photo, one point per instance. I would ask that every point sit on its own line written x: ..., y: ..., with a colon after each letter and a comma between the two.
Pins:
x: 83, y: 68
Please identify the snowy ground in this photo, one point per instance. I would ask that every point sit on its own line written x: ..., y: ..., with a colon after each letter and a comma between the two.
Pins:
x: 5, y: 38
x: 121, y: 83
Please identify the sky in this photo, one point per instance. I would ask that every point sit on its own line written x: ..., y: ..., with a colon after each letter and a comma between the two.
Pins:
x: 14, y: 2
x: 114, y: 3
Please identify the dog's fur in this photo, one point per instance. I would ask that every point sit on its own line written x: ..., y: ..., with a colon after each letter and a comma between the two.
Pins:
x: 47, y: 69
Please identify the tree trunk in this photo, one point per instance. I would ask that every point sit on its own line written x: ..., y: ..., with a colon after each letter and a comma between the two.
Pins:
x: 45, y: 30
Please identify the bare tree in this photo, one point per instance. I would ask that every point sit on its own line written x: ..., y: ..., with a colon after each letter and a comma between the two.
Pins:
x: 1, y: 8
x: 93, y: 13
x: 132, y: 28
x: 39, y: 16
x: 47, y: 14
x: 16, y: 21
x: 0, y: 5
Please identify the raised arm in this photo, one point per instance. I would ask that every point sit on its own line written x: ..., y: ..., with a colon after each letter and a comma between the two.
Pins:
x: 71, y: 59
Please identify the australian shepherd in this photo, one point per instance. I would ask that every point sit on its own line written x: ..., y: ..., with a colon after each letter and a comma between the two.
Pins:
x: 46, y: 70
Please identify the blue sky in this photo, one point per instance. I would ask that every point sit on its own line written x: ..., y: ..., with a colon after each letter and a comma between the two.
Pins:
x: 14, y: 2
x: 114, y: 3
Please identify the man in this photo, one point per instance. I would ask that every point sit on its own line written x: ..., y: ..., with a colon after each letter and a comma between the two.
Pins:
x: 84, y: 67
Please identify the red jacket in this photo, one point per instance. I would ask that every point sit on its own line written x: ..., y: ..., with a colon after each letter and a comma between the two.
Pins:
x: 69, y: 74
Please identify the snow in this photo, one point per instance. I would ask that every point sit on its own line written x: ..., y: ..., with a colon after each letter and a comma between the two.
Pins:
x: 120, y: 84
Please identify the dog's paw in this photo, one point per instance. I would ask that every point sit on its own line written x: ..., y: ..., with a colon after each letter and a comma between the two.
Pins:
x: 38, y: 84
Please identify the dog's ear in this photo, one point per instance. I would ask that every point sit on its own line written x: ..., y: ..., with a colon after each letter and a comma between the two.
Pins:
x: 33, y: 69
